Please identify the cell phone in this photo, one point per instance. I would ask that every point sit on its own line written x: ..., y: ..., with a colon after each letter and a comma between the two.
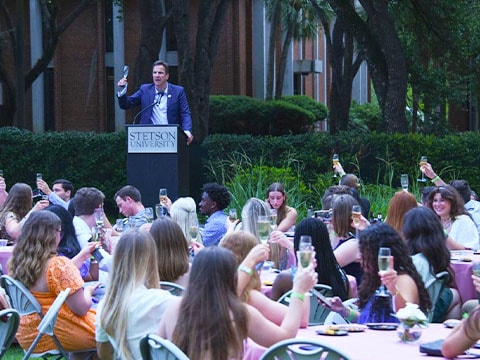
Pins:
x: 322, y: 297
x: 97, y: 255
x: 323, y: 214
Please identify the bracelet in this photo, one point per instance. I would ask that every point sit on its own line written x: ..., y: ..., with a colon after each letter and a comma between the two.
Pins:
x: 245, y: 269
x: 435, y: 179
x: 351, y: 315
x: 297, y: 295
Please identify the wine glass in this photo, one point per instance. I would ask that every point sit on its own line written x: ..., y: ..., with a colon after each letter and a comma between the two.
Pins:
x: 335, y: 161
x: 263, y: 228
x: 95, y: 232
x: 305, y: 250
x: 404, y: 181
x: 162, y: 194
x: 149, y: 214
x: 98, y: 213
x: 384, y: 256
x: 356, y: 214
x: 159, y: 210
x: 119, y: 225
x: 423, y: 162
x: 273, y: 218
x: 193, y: 228
x: 232, y: 214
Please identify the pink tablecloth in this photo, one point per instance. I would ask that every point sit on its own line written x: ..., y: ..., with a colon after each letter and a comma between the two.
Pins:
x: 367, y: 345
x: 463, y: 276
x: 5, y: 254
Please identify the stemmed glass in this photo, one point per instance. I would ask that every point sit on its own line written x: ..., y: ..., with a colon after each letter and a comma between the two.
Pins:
x: 98, y: 213
x: 149, y: 214
x: 305, y: 250
x: 356, y: 214
x: 423, y: 162
x: 335, y: 161
x: 232, y: 214
x: 263, y: 228
x: 384, y: 256
x: 273, y: 218
x: 193, y: 228
x: 404, y: 181
x: 162, y: 194
x: 159, y: 210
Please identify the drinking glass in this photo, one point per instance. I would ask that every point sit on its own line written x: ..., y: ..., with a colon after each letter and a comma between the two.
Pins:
x: 232, y: 214
x: 98, y: 213
x: 423, y: 162
x: 476, y: 272
x: 193, y: 228
x: 273, y: 218
x: 119, y: 225
x: 95, y: 234
x: 404, y: 181
x: 149, y: 214
x: 159, y: 210
x: 356, y: 214
x: 305, y: 250
x: 335, y: 161
x: 39, y: 176
x: 263, y: 228
x: 162, y: 194
x: 384, y: 256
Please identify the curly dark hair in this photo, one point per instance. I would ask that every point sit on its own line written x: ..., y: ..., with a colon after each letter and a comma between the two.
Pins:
x: 370, y: 240
x: 450, y: 194
x: 219, y: 194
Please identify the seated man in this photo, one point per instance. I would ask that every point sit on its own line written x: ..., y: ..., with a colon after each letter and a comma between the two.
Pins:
x: 61, y: 194
x: 129, y: 202
x: 215, y: 199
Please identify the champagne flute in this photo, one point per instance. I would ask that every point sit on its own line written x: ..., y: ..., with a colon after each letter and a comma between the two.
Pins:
x: 193, y: 228
x: 423, y: 162
x: 232, y: 214
x: 384, y: 256
x: 305, y: 251
x: 149, y: 214
x: 98, y: 213
x: 162, y: 194
x: 119, y: 225
x: 159, y: 210
x: 404, y: 181
x: 273, y: 218
x: 263, y: 228
x: 356, y: 214
x: 335, y: 161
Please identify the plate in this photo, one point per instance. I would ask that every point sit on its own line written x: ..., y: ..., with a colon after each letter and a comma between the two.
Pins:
x: 331, y: 332
x: 451, y: 323
x: 347, y: 327
x: 268, y: 283
x: 382, y: 326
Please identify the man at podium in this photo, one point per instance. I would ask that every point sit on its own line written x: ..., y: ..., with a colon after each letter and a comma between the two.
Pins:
x: 162, y: 103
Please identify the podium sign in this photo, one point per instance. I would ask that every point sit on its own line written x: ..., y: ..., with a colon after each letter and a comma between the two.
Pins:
x: 157, y: 157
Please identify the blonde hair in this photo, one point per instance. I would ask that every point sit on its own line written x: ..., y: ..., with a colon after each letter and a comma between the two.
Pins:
x: 134, y: 258
x: 240, y: 243
x: 183, y: 211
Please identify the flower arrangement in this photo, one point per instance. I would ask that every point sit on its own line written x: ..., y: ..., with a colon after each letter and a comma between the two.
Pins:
x: 409, y: 317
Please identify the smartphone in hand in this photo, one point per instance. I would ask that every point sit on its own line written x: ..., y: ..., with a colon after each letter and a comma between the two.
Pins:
x: 322, y: 298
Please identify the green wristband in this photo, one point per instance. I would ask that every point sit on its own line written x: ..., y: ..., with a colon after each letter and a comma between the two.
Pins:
x: 298, y: 295
x: 245, y: 269
x: 435, y: 179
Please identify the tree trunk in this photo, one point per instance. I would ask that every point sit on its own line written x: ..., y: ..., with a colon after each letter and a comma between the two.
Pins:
x: 274, y: 29
x: 283, y: 60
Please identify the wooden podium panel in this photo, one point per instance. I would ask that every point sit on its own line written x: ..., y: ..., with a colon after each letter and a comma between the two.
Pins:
x: 157, y: 157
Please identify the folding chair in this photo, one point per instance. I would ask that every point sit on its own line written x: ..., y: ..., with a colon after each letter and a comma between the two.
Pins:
x: 302, y: 349
x: 153, y: 347
x: 25, y: 303
x: 173, y: 288
x: 434, y: 288
x: 318, y: 313
x: 8, y: 328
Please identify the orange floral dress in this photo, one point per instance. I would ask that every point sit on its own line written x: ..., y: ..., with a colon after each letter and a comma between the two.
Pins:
x: 74, y: 332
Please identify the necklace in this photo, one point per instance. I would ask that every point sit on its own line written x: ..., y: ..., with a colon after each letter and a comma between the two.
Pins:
x: 447, y: 223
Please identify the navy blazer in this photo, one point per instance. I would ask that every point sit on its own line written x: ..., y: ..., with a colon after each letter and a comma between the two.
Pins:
x: 178, y: 112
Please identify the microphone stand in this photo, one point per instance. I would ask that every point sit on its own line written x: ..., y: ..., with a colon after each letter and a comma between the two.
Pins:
x: 155, y: 102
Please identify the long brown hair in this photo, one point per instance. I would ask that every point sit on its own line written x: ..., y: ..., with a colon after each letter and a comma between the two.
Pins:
x: 212, y: 321
x: 398, y: 206
x: 19, y: 201
x: 283, y: 209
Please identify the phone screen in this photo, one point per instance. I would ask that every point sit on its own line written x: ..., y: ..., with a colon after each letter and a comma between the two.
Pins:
x: 321, y: 297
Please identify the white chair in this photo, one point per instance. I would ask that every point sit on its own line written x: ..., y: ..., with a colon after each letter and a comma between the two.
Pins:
x: 173, y: 288
x: 153, y: 347
x: 434, y: 288
x: 334, y: 318
x: 9, y: 320
x: 25, y: 303
x: 302, y: 349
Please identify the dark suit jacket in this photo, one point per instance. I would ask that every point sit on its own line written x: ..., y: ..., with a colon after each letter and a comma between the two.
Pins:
x: 178, y: 112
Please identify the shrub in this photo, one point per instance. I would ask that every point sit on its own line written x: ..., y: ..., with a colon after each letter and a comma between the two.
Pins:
x: 319, y: 110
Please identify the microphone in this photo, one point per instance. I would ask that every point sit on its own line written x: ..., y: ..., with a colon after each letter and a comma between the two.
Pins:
x: 156, y: 101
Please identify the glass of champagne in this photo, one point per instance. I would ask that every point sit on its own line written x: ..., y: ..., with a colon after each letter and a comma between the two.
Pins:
x: 335, y: 161
x: 356, y: 215
x: 193, y: 228
x: 162, y: 194
x: 159, y: 210
x: 232, y: 214
x: 119, y: 225
x: 423, y: 162
x: 149, y: 214
x: 263, y: 228
x: 98, y: 213
x: 273, y: 218
x: 384, y: 256
x: 305, y: 250
x: 404, y: 181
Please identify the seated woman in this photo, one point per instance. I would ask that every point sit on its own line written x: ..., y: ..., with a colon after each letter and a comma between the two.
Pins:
x: 210, y: 313
x: 402, y: 281
x: 172, y: 251
x: 328, y: 270
x: 70, y: 247
x: 16, y: 210
x: 35, y: 263
x: 425, y: 240
x: 344, y: 244
x: 398, y: 206
x: 277, y: 199
x: 133, y: 304
x: 448, y: 205
x: 241, y: 243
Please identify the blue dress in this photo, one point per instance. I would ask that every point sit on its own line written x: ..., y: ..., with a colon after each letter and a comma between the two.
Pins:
x: 378, y: 309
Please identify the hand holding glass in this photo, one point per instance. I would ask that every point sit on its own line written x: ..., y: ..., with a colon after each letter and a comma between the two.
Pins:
x: 423, y: 162
x: 193, y: 228
x: 232, y: 214
x: 305, y: 251
x: 384, y: 256
x: 356, y: 214
x: 263, y: 228
x: 149, y: 214
x: 335, y: 161
x: 98, y: 213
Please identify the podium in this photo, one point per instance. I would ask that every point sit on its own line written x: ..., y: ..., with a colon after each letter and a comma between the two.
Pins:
x: 157, y: 157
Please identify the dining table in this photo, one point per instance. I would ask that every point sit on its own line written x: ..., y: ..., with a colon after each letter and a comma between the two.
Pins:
x: 462, y: 262
x: 365, y: 345
x: 5, y: 255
